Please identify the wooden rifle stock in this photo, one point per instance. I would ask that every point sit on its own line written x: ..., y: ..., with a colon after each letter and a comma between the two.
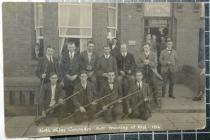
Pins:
x: 41, y: 118
x: 97, y: 100
x: 116, y: 101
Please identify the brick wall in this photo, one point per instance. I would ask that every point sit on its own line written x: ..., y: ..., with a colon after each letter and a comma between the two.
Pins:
x: 131, y: 27
x: 187, y: 37
x: 18, y: 39
x: 50, y: 32
x: 100, y: 16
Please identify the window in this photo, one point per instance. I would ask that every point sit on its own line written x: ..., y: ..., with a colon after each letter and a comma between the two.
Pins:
x: 38, y: 22
x: 112, y: 20
x: 75, y: 23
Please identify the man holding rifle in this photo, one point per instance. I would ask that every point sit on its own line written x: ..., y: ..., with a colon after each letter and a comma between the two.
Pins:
x: 52, y: 94
x: 84, y: 98
x: 112, y: 87
x: 138, y: 104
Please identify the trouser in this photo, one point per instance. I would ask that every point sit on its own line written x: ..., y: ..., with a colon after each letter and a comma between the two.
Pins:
x: 87, y: 116
x: 114, y: 112
x: 57, y: 113
x: 171, y: 77
x: 142, y: 112
x: 125, y: 84
x: 151, y: 79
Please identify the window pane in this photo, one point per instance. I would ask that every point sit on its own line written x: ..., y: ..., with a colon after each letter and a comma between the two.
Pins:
x: 75, y: 19
x: 39, y: 14
x: 85, y: 16
x: 111, y: 18
x: 69, y: 15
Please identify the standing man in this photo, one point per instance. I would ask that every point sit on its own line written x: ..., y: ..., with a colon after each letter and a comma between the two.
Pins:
x: 112, y: 87
x: 85, y: 97
x: 148, y: 64
x: 138, y: 104
x: 52, y: 94
x: 168, y: 61
x: 126, y: 66
x: 48, y: 64
x: 88, y: 61
x: 70, y: 66
x: 105, y: 64
x: 115, y: 49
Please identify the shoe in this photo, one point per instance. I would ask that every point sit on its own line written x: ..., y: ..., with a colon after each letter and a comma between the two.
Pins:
x: 172, y: 96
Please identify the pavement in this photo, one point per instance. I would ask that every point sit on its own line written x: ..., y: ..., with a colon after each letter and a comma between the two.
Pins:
x: 180, y: 113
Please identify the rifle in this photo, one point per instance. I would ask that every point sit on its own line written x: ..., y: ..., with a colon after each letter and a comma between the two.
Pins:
x: 115, y: 101
x: 39, y: 119
x: 97, y: 100
x: 40, y: 92
x: 136, y: 107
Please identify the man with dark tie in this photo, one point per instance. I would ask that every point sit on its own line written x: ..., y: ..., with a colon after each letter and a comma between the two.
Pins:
x: 138, y: 104
x: 115, y: 49
x: 168, y: 61
x: 126, y: 66
x: 112, y: 87
x: 70, y: 66
x: 48, y: 64
x: 86, y: 96
x: 52, y: 94
x: 88, y: 61
x: 105, y: 64
x: 148, y: 64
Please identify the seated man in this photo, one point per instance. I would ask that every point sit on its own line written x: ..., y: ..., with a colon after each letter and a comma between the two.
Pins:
x: 51, y: 94
x: 126, y: 68
x: 113, y: 88
x: 138, y: 104
x: 84, y: 101
x: 105, y: 64
x: 88, y: 61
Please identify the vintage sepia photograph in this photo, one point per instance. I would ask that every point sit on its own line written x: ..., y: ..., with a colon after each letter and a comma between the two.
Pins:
x: 89, y: 68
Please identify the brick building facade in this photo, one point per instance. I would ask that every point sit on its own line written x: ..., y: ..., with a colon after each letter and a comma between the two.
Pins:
x: 19, y: 30
x: 25, y: 24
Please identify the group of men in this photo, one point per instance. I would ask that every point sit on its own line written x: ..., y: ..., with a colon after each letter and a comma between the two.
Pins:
x: 111, y: 86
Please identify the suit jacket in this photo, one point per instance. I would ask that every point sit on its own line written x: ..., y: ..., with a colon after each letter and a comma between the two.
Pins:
x: 47, y: 67
x: 115, y: 51
x: 152, y: 60
x: 115, y: 93
x: 85, y: 96
x: 143, y: 93
x: 166, y: 57
x: 85, y: 63
x: 106, y: 65
x: 126, y: 63
x: 46, y: 94
x: 70, y: 67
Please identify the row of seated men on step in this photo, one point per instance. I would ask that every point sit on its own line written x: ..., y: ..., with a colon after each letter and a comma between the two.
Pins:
x: 111, y: 86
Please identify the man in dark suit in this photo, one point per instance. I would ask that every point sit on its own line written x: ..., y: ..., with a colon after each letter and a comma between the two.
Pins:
x: 168, y: 61
x: 113, y: 88
x: 70, y: 67
x: 105, y: 64
x: 126, y: 66
x: 51, y: 94
x: 148, y: 64
x: 88, y: 61
x: 115, y: 49
x: 86, y: 94
x: 48, y: 64
x: 137, y: 110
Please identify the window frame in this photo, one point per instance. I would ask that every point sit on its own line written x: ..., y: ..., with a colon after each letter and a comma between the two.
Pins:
x: 75, y: 27
x: 116, y: 17
x: 37, y: 28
